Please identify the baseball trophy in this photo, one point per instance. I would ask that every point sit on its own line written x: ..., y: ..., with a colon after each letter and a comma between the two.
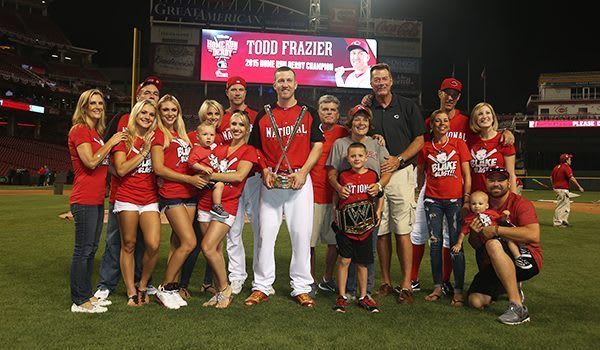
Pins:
x: 282, y: 177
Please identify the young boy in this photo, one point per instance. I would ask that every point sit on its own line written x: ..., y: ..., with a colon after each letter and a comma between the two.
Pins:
x: 479, y: 205
x: 200, y: 161
x: 358, y: 214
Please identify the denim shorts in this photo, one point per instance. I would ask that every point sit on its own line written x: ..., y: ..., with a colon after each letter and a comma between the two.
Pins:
x: 167, y: 203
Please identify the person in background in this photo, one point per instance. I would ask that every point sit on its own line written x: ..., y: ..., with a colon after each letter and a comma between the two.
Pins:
x: 562, y: 176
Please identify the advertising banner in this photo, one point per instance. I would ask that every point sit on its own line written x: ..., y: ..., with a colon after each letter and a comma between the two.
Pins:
x: 174, y: 35
x: 317, y: 60
x: 174, y: 60
x: 564, y: 124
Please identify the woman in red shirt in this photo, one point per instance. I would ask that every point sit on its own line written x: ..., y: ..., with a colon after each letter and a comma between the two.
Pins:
x: 233, y: 164
x: 445, y: 162
x: 177, y: 193
x: 487, y: 151
x: 136, y: 199
x: 90, y: 163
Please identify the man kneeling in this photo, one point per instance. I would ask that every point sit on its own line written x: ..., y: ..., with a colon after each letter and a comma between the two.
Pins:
x: 498, y: 272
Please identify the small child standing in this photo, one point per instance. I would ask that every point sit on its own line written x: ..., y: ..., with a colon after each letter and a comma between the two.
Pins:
x: 479, y: 205
x: 199, y: 160
x: 358, y: 215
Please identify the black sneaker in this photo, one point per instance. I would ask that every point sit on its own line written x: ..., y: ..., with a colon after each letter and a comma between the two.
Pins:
x: 447, y: 288
x: 515, y: 314
x: 415, y: 285
x: 328, y: 286
x: 340, y: 304
x: 522, y: 263
x: 218, y: 211
x: 525, y: 252
x: 368, y: 304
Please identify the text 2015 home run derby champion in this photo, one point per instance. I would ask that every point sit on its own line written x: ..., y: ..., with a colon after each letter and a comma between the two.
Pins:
x: 290, y: 141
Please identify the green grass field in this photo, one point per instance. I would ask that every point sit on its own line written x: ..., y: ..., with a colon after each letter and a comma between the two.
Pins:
x: 36, y: 248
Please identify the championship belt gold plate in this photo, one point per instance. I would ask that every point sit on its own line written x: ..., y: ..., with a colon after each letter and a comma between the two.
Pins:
x: 358, y: 217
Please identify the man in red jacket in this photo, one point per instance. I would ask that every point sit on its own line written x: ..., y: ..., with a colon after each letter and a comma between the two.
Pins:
x: 562, y: 175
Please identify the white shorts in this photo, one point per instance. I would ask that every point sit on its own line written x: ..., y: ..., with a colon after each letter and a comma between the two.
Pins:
x: 205, y: 216
x: 124, y: 206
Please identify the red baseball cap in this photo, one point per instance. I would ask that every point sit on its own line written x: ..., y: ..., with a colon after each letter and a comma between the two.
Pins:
x: 565, y: 156
x: 235, y: 80
x: 151, y: 80
x: 360, y: 108
x: 358, y: 44
x: 497, y: 170
x: 451, y: 83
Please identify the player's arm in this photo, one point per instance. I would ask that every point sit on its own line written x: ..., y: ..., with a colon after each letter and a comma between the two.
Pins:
x: 574, y: 181
x: 392, y: 163
x: 238, y: 175
x: 299, y: 178
x: 524, y: 234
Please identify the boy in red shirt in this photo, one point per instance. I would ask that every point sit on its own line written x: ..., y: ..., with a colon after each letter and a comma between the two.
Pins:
x: 354, y: 240
x: 200, y: 160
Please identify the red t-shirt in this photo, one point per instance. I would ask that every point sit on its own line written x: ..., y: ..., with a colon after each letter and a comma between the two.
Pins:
x: 264, y: 139
x: 359, y: 187
x: 175, y: 158
x: 139, y: 185
x: 443, y: 168
x: 114, y: 180
x: 90, y: 184
x: 459, y: 127
x: 225, y: 130
x: 522, y: 212
x: 200, y: 154
x: 561, y: 175
x: 224, y: 164
x: 486, y: 154
x: 488, y: 218
x: 322, y: 190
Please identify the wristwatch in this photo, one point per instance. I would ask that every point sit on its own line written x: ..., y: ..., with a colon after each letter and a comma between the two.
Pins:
x: 401, y: 160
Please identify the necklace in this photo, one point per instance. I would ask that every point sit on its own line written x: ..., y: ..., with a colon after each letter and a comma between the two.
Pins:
x: 440, y: 150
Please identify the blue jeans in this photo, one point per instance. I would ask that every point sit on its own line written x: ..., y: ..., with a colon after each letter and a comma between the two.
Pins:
x: 110, y: 268
x: 88, y: 227
x: 190, y: 262
x: 435, y: 210
x: 352, y: 283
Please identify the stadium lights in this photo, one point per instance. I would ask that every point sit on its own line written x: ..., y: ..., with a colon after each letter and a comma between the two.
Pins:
x: 54, y: 55
x: 67, y: 58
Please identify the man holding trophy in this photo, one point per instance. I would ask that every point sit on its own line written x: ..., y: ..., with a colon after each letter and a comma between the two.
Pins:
x: 289, y: 141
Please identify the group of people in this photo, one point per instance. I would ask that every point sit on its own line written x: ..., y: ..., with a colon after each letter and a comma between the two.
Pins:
x: 356, y: 184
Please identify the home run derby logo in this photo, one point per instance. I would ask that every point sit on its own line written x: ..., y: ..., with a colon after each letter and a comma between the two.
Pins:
x: 442, y: 165
x: 481, y: 160
x: 222, y: 47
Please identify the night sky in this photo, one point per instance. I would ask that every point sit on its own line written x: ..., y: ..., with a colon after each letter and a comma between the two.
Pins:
x: 514, y: 40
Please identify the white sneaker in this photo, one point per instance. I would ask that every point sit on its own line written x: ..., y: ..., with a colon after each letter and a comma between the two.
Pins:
x: 151, y: 290
x: 102, y: 302
x: 96, y: 309
x: 102, y: 294
x: 271, y: 290
x: 165, y: 297
x: 177, y: 298
x: 236, y: 286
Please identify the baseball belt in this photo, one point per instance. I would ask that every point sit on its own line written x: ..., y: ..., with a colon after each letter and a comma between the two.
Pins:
x: 282, y: 179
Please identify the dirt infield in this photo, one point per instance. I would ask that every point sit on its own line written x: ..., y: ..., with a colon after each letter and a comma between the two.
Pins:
x: 588, y: 208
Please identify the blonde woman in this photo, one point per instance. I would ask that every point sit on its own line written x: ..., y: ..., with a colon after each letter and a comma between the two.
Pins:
x: 90, y: 163
x: 233, y: 164
x: 137, y: 200
x: 177, y: 193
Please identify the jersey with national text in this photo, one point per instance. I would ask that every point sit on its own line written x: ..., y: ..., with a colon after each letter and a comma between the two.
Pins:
x: 322, y: 190
x: 443, y: 167
x: 90, y: 184
x: 486, y: 154
x: 223, y: 163
x: 225, y: 128
x: 264, y: 137
x: 139, y: 185
x: 175, y: 158
x: 358, y: 184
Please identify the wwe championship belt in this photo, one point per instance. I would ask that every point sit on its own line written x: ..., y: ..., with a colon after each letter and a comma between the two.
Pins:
x: 358, y: 217
x: 282, y: 179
